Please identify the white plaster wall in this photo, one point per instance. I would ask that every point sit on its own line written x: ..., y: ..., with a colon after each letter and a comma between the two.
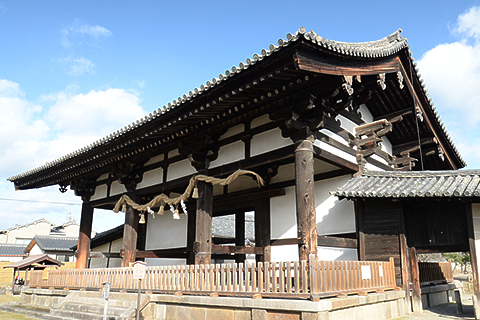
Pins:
x: 155, y: 159
x: 229, y: 153
x: 476, y: 229
x: 233, y: 131
x: 10, y: 259
x: 347, y: 125
x: 242, y: 183
x: 333, y: 215
x: 117, y: 188
x: 324, y: 146
x: 164, y: 232
x: 366, y: 115
x: 331, y: 254
x: 103, y: 176
x: 268, y: 141
x: 151, y: 178
x: 285, y: 173
x: 100, y: 192
x: 99, y: 262
x: 180, y: 169
x: 28, y: 232
x: 72, y: 230
x: 283, y: 217
x: 36, y: 250
x: 260, y: 121
x: 285, y: 253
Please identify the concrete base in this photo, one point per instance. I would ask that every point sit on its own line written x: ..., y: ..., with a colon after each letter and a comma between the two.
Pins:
x: 438, y: 294
x: 374, y: 306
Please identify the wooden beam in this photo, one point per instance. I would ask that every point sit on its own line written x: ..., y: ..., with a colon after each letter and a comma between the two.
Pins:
x: 397, y: 149
x: 336, y: 242
x: 236, y: 249
x: 305, y: 200
x: 334, y: 159
x: 163, y: 253
x: 395, y: 114
x: 105, y: 255
x: 84, y: 236
x: 312, y: 63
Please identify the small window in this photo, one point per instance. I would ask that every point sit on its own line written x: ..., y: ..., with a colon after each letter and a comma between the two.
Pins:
x: 22, y: 240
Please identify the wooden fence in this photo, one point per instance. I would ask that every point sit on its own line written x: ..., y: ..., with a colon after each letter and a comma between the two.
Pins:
x: 435, y: 272
x: 292, y: 279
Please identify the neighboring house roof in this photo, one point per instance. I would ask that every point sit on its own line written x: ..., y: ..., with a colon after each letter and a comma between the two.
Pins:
x: 413, y: 184
x: 52, y: 243
x: 147, y: 132
x: 224, y: 227
x: 42, y: 220
x: 33, y: 261
x: 12, y: 250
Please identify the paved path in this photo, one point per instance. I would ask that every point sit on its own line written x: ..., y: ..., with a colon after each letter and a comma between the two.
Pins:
x: 446, y: 311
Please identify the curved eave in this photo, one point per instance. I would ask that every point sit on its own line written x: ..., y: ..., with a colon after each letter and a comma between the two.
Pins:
x: 165, y: 116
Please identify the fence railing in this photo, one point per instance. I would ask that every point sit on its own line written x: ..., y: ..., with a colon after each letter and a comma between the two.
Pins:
x: 435, y: 272
x: 296, y: 278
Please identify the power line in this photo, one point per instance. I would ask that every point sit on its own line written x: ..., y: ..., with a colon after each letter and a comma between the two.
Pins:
x: 41, y: 201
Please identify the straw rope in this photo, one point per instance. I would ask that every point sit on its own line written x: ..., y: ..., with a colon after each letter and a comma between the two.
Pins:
x: 163, y: 199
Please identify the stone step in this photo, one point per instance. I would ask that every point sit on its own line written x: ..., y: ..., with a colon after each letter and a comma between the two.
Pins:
x: 33, y: 312
x: 89, y: 308
x: 81, y: 315
x: 119, y: 303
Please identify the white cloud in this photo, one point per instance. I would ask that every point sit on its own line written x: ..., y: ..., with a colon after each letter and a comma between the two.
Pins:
x: 452, y: 74
x: 32, y: 135
x: 75, y: 32
x: 78, y: 66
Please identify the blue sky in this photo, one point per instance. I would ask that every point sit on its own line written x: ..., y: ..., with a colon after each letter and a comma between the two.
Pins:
x: 72, y: 72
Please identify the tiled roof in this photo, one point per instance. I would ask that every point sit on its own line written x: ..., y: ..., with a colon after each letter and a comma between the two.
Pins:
x: 373, y: 49
x: 12, y: 250
x: 413, y: 184
x: 55, y: 243
x: 35, y: 260
x: 42, y: 220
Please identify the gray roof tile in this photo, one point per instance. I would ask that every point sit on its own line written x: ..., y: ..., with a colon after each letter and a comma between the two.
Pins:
x: 13, y: 250
x: 56, y: 243
x: 413, y: 184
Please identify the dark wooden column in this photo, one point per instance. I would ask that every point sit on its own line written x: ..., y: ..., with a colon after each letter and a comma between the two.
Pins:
x: 262, y: 229
x: 240, y: 234
x: 473, y: 259
x: 130, y: 234
x: 203, y: 232
x: 360, y: 222
x: 142, y: 236
x: 84, y: 189
x: 84, y: 236
x: 305, y: 199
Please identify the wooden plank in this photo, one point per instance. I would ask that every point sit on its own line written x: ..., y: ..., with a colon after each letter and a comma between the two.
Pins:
x: 338, y: 242
x: 263, y: 229
x: 417, y: 293
x: 164, y: 253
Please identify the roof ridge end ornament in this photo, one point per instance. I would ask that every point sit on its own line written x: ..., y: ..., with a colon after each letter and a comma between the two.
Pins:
x: 348, y: 84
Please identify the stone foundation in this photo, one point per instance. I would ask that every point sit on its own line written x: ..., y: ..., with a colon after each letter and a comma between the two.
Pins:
x: 438, y: 294
x: 374, y: 306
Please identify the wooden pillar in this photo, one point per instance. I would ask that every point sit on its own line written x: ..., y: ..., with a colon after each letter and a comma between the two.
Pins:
x: 473, y: 255
x: 142, y: 236
x: 360, y: 221
x: 305, y: 200
x: 262, y: 230
x: 240, y: 235
x: 404, y: 261
x: 130, y: 234
x: 191, y: 231
x: 203, y: 233
x: 417, y: 291
x: 84, y: 236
